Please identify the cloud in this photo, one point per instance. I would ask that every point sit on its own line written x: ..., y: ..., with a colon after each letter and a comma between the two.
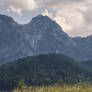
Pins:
x: 73, y: 15
x: 13, y: 9
x: 87, y: 14
x: 20, y: 4
x: 70, y: 18
x: 46, y: 13
x: 58, y: 3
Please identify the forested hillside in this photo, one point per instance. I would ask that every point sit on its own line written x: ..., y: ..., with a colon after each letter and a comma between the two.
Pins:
x: 44, y: 69
x: 88, y: 64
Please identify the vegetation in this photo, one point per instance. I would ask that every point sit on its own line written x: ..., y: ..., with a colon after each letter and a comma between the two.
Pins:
x: 87, y: 64
x: 56, y: 88
x: 43, y: 70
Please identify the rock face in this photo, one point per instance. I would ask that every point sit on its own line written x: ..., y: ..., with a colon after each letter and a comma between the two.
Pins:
x: 9, y: 39
x: 42, y: 35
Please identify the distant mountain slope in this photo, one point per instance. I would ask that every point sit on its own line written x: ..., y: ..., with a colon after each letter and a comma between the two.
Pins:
x: 87, y: 63
x: 42, y: 35
x: 84, y: 48
x: 43, y: 70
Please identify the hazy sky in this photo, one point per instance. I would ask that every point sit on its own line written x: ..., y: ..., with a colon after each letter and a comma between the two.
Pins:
x: 75, y: 16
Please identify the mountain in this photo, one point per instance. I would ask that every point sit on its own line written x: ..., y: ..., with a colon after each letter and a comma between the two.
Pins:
x: 44, y: 69
x: 88, y: 64
x: 40, y: 36
x: 84, y: 48
x: 10, y: 39
x: 44, y: 35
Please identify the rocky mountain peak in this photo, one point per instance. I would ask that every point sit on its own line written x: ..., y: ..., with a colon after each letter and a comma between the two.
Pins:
x: 42, y: 24
x: 41, y: 18
x: 6, y: 19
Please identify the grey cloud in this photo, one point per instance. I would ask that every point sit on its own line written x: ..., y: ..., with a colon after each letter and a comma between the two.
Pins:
x: 66, y: 12
x: 54, y: 3
x: 88, y: 14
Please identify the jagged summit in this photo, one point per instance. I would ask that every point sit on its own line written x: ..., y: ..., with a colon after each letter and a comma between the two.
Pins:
x: 6, y: 19
x: 41, y: 20
x: 41, y: 17
x: 45, y: 19
x: 43, y: 23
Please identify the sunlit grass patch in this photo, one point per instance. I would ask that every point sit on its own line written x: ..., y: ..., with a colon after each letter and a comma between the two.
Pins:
x: 56, y: 88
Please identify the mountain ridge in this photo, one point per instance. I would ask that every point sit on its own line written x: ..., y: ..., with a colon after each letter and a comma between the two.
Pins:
x: 40, y: 36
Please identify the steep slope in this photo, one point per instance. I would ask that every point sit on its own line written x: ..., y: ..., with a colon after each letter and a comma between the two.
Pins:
x: 12, y: 45
x: 43, y: 70
x: 44, y: 35
x: 9, y: 39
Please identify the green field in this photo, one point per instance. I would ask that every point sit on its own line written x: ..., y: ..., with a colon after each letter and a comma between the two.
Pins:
x: 57, y: 88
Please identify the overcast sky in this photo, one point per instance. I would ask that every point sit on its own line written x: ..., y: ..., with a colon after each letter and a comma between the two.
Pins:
x: 74, y: 16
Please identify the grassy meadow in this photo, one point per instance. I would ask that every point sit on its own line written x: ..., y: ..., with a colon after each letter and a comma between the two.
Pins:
x: 64, y: 88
